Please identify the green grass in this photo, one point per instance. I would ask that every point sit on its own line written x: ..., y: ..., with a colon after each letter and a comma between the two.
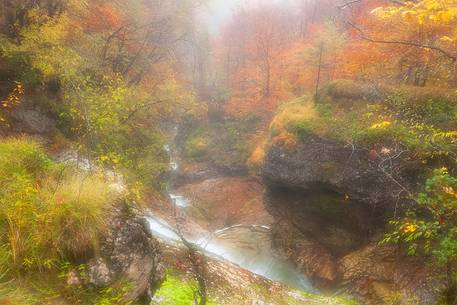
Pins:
x: 48, y: 212
x: 38, y: 289
x: 51, y: 215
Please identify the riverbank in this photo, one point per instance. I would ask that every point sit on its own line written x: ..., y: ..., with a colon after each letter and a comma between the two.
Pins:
x: 229, y: 284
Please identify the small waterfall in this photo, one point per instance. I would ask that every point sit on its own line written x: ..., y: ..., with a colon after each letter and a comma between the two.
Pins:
x: 248, y: 246
x: 179, y: 201
x: 251, y: 250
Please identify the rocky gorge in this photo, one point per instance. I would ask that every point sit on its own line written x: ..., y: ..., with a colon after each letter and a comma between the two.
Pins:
x: 331, y: 203
x: 320, y: 206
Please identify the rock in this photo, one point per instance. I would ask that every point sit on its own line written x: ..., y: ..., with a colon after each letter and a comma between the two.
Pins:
x: 98, y: 273
x: 382, y: 274
x: 32, y: 120
x: 193, y: 172
x: 128, y: 253
x: 323, y: 215
x: 73, y: 278
x: 225, y: 201
x: 342, y: 169
x: 309, y: 256
x: 330, y: 203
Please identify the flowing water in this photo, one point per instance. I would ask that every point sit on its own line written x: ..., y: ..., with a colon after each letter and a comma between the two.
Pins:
x: 246, y: 246
x: 243, y: 246
x: 249, y: 247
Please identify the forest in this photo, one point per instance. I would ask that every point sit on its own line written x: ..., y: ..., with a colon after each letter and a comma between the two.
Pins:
x: 216, y: 152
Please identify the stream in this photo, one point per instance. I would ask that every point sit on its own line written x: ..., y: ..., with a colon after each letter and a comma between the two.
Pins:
x: 248, y: 247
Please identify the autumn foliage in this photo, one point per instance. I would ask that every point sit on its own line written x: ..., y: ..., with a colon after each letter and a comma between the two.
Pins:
x: 103, y: 17
x: 272, y: 53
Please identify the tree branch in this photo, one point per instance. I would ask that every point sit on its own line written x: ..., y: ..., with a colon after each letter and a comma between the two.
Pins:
x: 347, y: 4
x: 133, y: 112
x: 452, y: 57
x: 350, y: 3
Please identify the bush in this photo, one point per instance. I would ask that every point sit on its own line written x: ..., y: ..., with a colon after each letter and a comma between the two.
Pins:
x: 293, y: 116
x: 225, y: 144
x: 430, y: 228
x: 48, y: 212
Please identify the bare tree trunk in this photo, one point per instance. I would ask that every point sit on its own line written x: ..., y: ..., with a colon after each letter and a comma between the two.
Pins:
x: 321, y: 51
x: 197, y: 262
x: 267, y: 89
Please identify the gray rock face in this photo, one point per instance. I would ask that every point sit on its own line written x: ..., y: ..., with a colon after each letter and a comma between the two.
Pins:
x: 383, y: 274
x: 330, y: 203
x: 129, y: 253
x: 32, y: 120
x: 354, y: 172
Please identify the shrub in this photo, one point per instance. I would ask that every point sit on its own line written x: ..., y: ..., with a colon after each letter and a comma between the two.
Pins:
x: 230, y: 143
x: 421, y: 121
x: 48, y: 212
x: 431, y: 227
x: 225, y: 144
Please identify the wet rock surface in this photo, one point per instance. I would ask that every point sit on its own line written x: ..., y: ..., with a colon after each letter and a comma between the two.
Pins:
x: 225, y: 201
x: 194, y: 172
x: 385, y: 274
x: 331, y: 203
x: 310, y: 257
x: 229, y: 284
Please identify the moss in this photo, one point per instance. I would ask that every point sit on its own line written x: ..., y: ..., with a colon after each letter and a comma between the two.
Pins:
x: 177, y: 291
x: 429, y: 105
x: 230, y: 141
x: 302, y: 128
x: 349, y: 91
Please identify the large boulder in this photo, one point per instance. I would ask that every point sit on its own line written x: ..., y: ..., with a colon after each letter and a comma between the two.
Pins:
x: 128, y: 254
x: 349, y: 171
x: 310, y: 256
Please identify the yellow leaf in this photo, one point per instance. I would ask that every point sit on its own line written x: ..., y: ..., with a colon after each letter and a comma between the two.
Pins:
x: 446, y: 39
x: 381, y: 125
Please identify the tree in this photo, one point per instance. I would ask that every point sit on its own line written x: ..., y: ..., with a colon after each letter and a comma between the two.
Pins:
x: 323, y: 54
x: 420, y: 37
